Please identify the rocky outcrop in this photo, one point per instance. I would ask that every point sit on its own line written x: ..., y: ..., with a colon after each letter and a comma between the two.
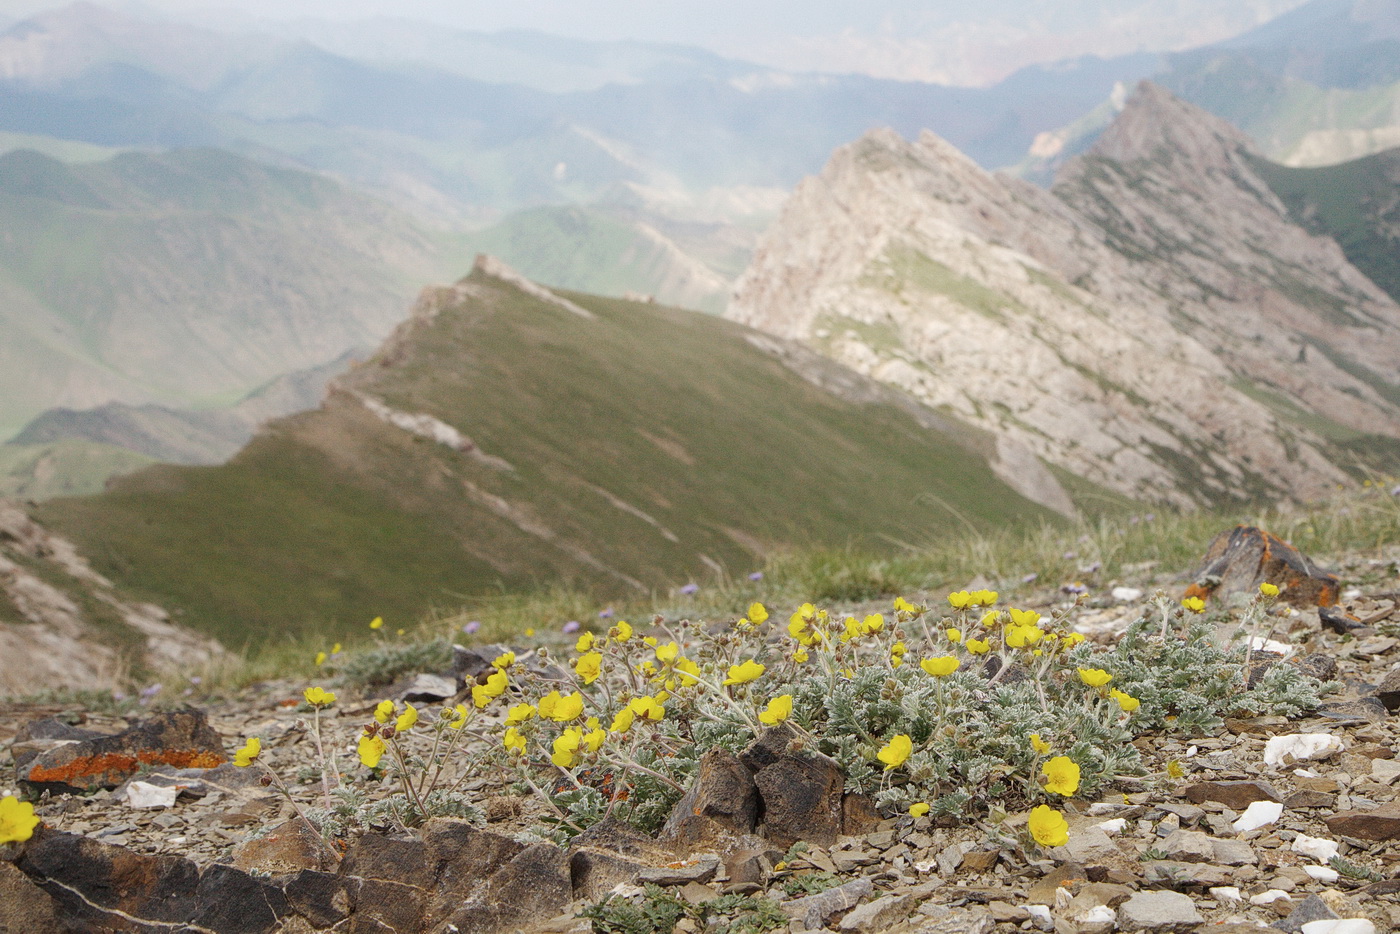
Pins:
x: 1120, y: 327
x: 62, y: 623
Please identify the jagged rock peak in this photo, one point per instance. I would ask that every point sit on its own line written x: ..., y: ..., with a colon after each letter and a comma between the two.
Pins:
x: 1157, y: 125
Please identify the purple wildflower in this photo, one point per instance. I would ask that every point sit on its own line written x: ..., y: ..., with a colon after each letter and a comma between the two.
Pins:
x: 572, y: 626
x: 606, y: 613
x: 758, y: 575
x: 471, y: 628
x: 1030, y: 578
x: 689, y: 589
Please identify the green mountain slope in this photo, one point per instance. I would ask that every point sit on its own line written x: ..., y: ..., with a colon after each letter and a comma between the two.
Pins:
x: 187, y: 277
x: 618, y: 445
x: 1356, y: 203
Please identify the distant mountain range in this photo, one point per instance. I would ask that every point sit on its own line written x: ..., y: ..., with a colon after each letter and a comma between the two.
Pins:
x: 1160, y: 322
x: 191, y: 277
x: 506, y: 437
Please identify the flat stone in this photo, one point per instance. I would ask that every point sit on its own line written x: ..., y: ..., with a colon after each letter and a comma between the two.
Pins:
x: 1044, y: 890
x: 1388, y: 693
x: 877, y: 915
x: 1189, y: 846
x: 1234, y: 795
x: 1380, y: 825
x: 1385, y: 770
x: 1175, y: 874
x: 814, y: 910
x: 1308, y: 910
x: 1159, y: 912
x: 1309, y: 799
x: 966, y: 920
x: 701, y: 869
x: 594, y: 872
x: 1234, y: 853
x: 980, y: 860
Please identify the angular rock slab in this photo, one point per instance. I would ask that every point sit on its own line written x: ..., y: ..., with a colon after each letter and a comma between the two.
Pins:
x: 1380, y: 825
x: 1239, y: 560
x: 99, y: 887
x: 183, y: 739
x: 721, y: 799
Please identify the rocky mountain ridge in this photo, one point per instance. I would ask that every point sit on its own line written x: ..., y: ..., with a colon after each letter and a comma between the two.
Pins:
x: 1156, y: 324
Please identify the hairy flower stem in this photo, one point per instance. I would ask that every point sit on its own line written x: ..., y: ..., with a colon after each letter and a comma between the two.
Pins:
x: 410, y: 793
x: 326, y: 780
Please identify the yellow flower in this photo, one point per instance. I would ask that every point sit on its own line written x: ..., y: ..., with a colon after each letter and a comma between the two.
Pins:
x: 989, y: 618
x: 800, y: 656
x: 1040, y: 746
x: 594, y: 739
x: 17, y: 820
x: 896, y: 751
x: 495, y: 686
x: 687, y: 671
x: 649, y: 641
x: 872, y: 624
x: 758, y: 612
x: 622, y: 631
x: 335, y: 649
x: 377, y: 623
x: 647, y: 668
x: 514, y: 741
x: 852, y: 626
x: 1268, y: 589
x: 744, y: 673
x: 566, y: 745
x: 504, y: 661
x: 1025, y: 617
x: 564, y: 708
x: 320, y: 658
x: 978, y: 646
x: 1174, y: 769
x: 529, y: 631
x: 371, y: 750
x: 668, y: 653
x: 589, y: 667
x: 1094, y: 677
x: 318, y: 697
x: 902, y: 605
x: 961, y: 599
x: 797, y: 628
x: 1194, y: 604
x: 383, y: 711
x: 940, y: 667
x: 1018, y: 637
x: 1128, y: 702
x: 1062, y: 774
x: 584, y: 643
x: 954, y: 635
x: 919, y: 809
x: 623, y: 721
x: 648, y: 708
x: 249, y: 753
x: 1048, y: 826
x: 778, y: 710
x: 406, y: 719
x: 984, y: 597
x: 519, y: 714
x: 1074, y: 639
x: 460, y: 720
x: 662, y: 696
x: 897, y: 650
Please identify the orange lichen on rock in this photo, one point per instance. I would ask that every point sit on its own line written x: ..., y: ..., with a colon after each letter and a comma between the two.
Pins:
x: 116, y: 766
x: 1239, y: 560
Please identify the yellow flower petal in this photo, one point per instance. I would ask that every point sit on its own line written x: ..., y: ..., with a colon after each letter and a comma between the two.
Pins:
x: 744, y: 673
x: 1094, y: 677
x: 778, y: 710
x: 940, y: 667
x: 17, y: 820
x: 896, y: 751
x: 1062, y: 776
x: 1048, y: 826
x: 371, y: 750
x: 247, y: 755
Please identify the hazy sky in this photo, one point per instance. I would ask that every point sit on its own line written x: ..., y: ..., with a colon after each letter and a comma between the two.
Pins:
x: 950, y: 40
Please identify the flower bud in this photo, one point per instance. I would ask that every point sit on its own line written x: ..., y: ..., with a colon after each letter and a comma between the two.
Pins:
x: 265, y: 780
x: 386, y: 732
x: 542, y: 652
